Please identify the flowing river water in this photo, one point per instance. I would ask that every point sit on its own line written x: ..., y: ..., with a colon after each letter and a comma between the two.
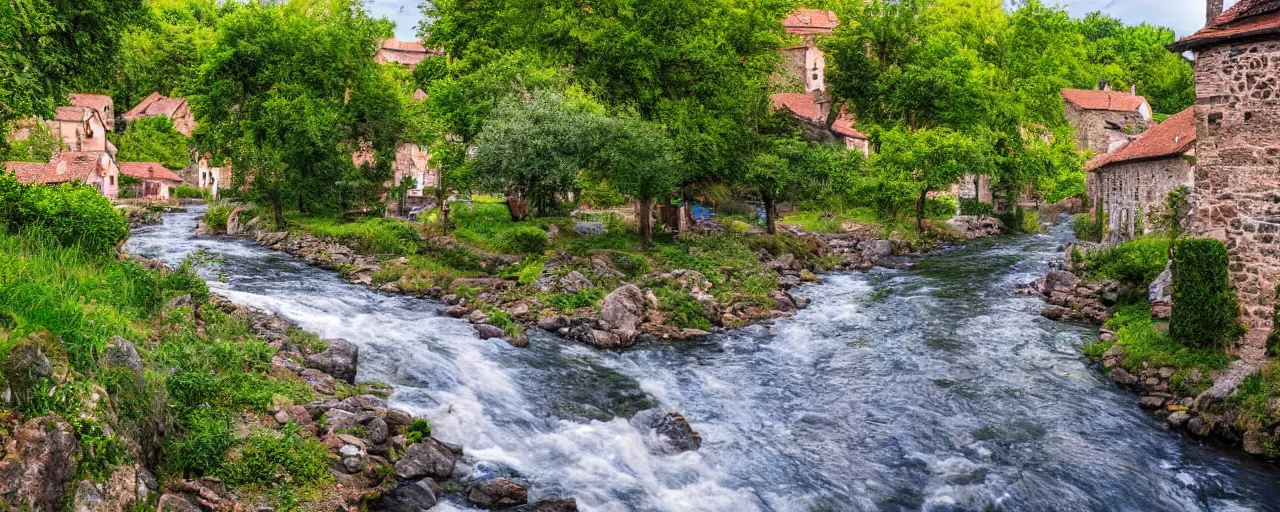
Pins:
x: 929, y: 389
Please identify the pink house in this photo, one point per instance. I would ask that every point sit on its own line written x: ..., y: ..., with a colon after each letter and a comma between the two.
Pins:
x: 811, y: 110
x: 98, y: 102
x: 80, y: 128
x: 405, y: 53
x: 94, y: 168
x: 176, y: 109
x: 154, y: 180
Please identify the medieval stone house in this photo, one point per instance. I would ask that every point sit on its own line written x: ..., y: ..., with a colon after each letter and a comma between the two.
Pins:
x: 804, y: 70
x: 1237, y: 115
x: 154, y: 181
x: 203, y: 175
x: 176, y: 109
x: 100, y: 103
x: 405, y: 53
x: 1131, y: 184
x: 1105, y: 119
x: 94, y: 168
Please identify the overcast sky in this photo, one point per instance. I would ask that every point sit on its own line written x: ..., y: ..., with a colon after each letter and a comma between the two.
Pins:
x: 1183, y: 16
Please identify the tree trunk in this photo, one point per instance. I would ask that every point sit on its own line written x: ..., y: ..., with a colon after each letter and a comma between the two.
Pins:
x: 518, y: 206
x: 277, y: 209
x: 924, y: 194
x: 770, y: 214
x: 645, y: 218
x: 301, y: 208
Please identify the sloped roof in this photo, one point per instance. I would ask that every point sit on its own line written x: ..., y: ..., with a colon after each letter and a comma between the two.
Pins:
x: 1247, y: 19
x: 156, y: 105
x: 810, y: 21
x: 72, y: 113
x: 803, y: 106
x: 405, y: 52
x: 1094, y: 99
x: 99, y: 102
x: 26, y: 172
x: 1173, y: 137
x: 419, y: 95
x: 148, y: 171
x: 72, y: 166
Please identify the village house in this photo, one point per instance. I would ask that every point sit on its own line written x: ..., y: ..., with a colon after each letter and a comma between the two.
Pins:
x: 200, y: 174
x: 1105, y: 119
x: 1237, y: 117
x: 94, y: 168
x: 154, y: 181
x: 176, y: 109
x: 98, y: 102
x: 1132, y: 183
x: 804, y: 69
x: 405, y: 53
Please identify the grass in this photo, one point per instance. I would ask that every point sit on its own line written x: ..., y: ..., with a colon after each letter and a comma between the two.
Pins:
x: 1137, y: 262
x: 373, y: 235
x: 195, y: 384
x: 1148, y: 343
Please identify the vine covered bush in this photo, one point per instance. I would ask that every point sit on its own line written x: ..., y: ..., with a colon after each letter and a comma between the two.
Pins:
x: 523, y: 240
x: 72, y: 214
x: 1205, y: 309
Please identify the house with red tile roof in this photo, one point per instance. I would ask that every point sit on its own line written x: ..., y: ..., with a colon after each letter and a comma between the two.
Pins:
x: 152, y: 180
x: 1237, y: 118
x: 405, y: 53
x: 176, y: 109
x: 811, y: 111
x: 1132, y: 183
x: 94, y: 168
x: 99, y: 102
x: 1105, y: 119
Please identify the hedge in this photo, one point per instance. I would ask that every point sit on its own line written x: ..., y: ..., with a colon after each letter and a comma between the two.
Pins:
x: 1205, y: 309
x: 73, y: 214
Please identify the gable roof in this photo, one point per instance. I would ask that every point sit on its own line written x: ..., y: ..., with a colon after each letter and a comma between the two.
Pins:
x: 1248, y: 19
x: 72, y: 113
x: 148, y: 171
x: 1094, y: 99
x: 156, y: 105
x: 66, y: 167
x: 1173, y: 137
x: 404, y: 52
x: 99, y: 102
x: 26, y: 172
x: 810, y: 21
x: 803, y: 106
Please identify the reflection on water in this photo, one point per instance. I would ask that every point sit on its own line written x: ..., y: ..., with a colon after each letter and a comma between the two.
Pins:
x: 930, y: 389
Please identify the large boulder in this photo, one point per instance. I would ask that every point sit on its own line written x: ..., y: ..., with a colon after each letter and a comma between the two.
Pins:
x: 623, y: 310
x: 39, y: 467
x: 338, y: 359
x: 427, y: 458
x: 676, y: 433
x: 121, y: 353
x: 420, y: 495
x: 876, y: 250
x: 573, y: 282
x: 498, y: 493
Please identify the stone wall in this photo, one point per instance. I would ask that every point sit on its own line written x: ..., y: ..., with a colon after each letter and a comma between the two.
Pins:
x: 1093, y: 132
x: 1128, y: 188
x: 1237, y: 191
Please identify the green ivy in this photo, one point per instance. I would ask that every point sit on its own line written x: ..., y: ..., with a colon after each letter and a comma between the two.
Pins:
x: 1206, y: 312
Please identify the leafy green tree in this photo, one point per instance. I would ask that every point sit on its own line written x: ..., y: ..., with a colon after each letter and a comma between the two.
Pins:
x: 37, y: 147
x: 532, y: 150
x: 286, y: 92
x: 48, y: 48
x: 641, y: 160
x: 153, y: 139
x: 164, y: 50
x: 932, y: 159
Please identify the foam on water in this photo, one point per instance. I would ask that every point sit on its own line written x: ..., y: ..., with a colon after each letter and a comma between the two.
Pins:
x: 931, y: 389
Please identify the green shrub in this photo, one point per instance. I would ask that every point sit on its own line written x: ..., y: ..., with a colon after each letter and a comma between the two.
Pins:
x: 1021, y: 220
x: 72, y: 214
x: 188, y: 192
x: 1137, y: 262
x: 418, y: 430
x: 263, y: 457
x: 972, y: 206
x: 1205, y: 309
x: 940, y: 208
x: 1091, y: 227
x: 685, y: 311
x: 571, y: 301
x: 217, y: 215
x: 523, y: 240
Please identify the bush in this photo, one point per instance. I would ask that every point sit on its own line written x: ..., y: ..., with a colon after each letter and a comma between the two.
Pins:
x: 1205, y: 309
x: 188, y: 192
x: 940, y: 208
x: 1137, y: 262
x: 1021, y: 220
x: 523, y: 240
x: 71, y: 214
x: 1091, y: 227
x: 418, y: 430
x: 571, y: 301
x: 217, y: 215
x: 972, y: 206
x: 265, y: 456
x: 685, y: 311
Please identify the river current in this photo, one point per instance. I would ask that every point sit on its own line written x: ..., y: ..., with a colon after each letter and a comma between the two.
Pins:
x: 931, y: 389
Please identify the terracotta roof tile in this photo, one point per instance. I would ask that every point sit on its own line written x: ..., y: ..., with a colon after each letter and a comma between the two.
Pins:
x: 810, y: 21
x: 1094, y: 99
x: 148, y: 171
x: 99, y: 102
x: 72, y: 166
x: 26, y: 172
x: 71, y: 113
x: 1174, y: 136
x: 802, y: 105
x: 156, y: 105
x: 1245, y: 20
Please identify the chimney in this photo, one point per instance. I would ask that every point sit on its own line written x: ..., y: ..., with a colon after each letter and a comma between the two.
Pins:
x: 1133, y: 89
x: 1212, y: 9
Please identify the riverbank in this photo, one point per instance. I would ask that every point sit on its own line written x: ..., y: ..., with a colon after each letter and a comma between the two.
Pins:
x: 584, y: 280
x: 1225, y: 393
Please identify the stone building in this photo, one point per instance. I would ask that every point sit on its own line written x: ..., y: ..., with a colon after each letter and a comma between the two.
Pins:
x: 804, y: 70
x: 1237, y: 114
x: 176, y: 109
x: 1105, y: 119
x: 204, y: 176
x: 98, y: 102
x: 405, y: 53
x: 154, y: 180
x: 1132, y: 183
x: 811, y: 111
x: 804, y: 63
x: 94, y: 168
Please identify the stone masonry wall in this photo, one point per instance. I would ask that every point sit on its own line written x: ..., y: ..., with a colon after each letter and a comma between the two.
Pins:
x: 1092, y: 132
x: 1237, y: 191
x: 1125, y: 187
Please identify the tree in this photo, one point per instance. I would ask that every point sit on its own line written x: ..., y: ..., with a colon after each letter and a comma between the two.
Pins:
x: 286, y: 93
x: 641, y: 161
x: 153, y: 139
x: 49, y: 47
x: 532, y: 150
x: 39, y: 146
x: 932, y: 159
x: 163, y: 52
x: 770, y: 175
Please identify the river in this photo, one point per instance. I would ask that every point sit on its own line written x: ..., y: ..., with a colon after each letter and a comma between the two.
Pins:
x: 928, y: 389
